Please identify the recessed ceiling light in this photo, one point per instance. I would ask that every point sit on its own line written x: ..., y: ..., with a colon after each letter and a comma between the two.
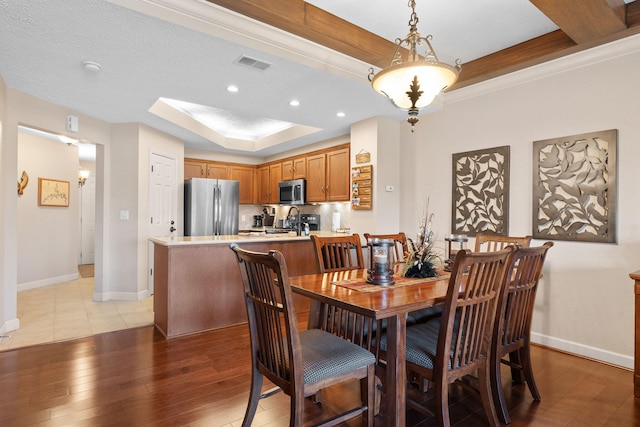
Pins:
x: 294, y: 102
x: 340, y: 114
x: 232, y: 88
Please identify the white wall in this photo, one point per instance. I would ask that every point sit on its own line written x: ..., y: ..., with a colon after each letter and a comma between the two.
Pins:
x: 379, y: 137
x: 585, y: 304
x: 54, y: 262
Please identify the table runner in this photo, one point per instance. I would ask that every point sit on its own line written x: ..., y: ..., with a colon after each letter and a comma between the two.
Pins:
x: 363, y: 286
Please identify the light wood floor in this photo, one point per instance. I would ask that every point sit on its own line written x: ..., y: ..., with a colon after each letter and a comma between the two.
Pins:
x: 136, y: 378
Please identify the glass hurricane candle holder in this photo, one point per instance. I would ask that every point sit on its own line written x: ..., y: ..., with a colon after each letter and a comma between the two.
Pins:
x: 381, y: 255
x: 455, y: 243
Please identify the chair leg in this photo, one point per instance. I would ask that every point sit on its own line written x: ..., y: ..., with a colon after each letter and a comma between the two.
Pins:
x: 297, y: 408
x: 515, y: 357
x: 528, y: 372
x: 496, y: 389
x: 441, y: 397
x: 254, y: 397
x: 364, y: 393
x: 371, y: 396
x: 487, y: 396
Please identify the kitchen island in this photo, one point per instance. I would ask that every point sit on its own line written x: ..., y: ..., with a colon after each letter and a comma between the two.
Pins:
x: 197, y: 283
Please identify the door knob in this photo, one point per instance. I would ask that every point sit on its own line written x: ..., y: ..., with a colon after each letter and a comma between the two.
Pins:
x: 172, y: 229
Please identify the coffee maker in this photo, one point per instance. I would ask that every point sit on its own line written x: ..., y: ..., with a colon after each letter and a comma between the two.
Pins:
x: 257, y: 221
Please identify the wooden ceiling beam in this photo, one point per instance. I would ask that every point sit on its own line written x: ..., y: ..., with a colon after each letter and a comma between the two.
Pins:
x: 585, y: 20
x: 314, y: 24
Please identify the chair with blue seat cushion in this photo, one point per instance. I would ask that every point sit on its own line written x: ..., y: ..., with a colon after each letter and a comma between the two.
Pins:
x: 458, y: 343
x: 299, y: 363
x: 512, y: 328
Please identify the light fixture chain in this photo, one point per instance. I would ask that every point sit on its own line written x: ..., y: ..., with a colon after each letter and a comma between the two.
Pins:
x: 413, y: 20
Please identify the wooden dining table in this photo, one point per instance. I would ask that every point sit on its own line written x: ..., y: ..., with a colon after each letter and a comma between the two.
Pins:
x: 348, y: 290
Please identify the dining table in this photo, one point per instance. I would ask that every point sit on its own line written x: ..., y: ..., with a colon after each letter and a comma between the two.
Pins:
x: 349, y: 290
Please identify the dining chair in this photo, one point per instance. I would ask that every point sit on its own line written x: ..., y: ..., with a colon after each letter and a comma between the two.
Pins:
x: 512, y: 328
x: 486, y: 242
x: 299, y: 363
x: 400, y: 239
x: 458, y: 343
x: 338, y: 253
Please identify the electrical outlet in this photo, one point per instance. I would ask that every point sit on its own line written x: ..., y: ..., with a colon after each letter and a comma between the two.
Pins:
x: 244, y: 218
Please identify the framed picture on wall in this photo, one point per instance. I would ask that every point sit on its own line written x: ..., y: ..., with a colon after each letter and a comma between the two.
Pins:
x: 53, y: 192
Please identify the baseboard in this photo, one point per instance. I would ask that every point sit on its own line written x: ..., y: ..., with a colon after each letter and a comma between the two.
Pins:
x: 120, y: 296
x: 47, y: 282
x: 605, y: 356
x: 9, y: 325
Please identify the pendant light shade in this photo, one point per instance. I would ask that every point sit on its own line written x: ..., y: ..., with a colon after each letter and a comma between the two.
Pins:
x: 413, y: 82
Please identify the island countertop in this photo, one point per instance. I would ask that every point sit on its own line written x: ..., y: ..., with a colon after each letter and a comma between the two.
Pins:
x: 251, y: 237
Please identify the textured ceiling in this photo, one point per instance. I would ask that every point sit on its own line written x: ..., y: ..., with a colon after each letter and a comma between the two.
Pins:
x: 146, y: 56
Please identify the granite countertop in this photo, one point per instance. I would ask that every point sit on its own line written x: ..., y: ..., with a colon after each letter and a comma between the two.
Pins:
x: 245, y: 236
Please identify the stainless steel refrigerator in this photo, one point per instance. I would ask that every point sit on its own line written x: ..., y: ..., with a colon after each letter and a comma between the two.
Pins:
x: 211, y: 207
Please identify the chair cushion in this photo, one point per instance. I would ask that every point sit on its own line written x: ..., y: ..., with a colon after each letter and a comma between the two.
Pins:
x: 425, y: 314
x: 422, y: 342
x: 325, y: 355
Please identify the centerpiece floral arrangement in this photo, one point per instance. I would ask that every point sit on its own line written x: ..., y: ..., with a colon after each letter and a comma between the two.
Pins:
x: 421, y: 256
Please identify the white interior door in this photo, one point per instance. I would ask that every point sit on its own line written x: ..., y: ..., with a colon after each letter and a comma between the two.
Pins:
x: 163, y: 202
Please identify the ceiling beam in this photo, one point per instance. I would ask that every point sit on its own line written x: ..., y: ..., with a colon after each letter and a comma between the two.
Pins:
x: 585, y: 20
x: 314, y: 24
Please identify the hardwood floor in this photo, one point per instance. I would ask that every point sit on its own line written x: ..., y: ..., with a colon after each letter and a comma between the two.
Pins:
x: 136, y: 378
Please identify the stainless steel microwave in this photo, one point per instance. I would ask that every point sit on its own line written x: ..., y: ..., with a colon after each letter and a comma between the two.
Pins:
x: 292, y: 192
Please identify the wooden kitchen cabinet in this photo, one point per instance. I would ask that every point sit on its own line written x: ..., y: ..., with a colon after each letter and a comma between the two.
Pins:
x: 338, y: 178
x: 300, y: 167
x: 269, y: 176
x: 194, y: 168
x: 275, y: 176
x: 245, y: 175
x: 328, y: 176
x: 217, y: 171
x: 262, y: 175
x: 316, y: 175
x: 295, y: 168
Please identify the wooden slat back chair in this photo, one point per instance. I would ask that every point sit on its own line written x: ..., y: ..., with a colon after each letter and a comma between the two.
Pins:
x: 400, y: 247
x: 299, y: 363
x: 486, y: 242
x: 513, y: 324
x: 338, y: 253
x: 458, y: 343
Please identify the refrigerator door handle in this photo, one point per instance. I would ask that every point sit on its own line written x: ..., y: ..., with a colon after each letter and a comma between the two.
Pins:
x: 216, y: 210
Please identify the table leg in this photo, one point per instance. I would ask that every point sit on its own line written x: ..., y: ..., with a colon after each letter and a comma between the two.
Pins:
x: 396, y: 370
x: 314, y: 314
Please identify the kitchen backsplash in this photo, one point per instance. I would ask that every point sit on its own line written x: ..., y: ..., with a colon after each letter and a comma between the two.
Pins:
x: 325, y: 210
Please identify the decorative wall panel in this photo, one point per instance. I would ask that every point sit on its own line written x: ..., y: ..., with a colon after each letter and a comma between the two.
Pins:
x: 574, y: 187
x: 480, y: 199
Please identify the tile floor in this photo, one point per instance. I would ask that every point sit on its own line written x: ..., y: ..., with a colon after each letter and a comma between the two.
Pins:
x: 66, y: 311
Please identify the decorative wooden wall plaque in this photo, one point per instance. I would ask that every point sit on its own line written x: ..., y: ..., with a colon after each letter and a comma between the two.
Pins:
x: 361, y: 187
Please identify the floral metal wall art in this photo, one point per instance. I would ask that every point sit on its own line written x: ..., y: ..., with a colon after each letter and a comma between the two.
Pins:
x: 480, y: 199
x: 574, y: 187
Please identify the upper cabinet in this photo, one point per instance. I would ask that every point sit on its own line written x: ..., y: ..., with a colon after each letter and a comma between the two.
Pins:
x: 328, y: 176
x: 268, y: 176
x: 294, y: 168
x: 245, y: 174
x: 326, y: 171
x: 217, y: 171
x: 194, y: 168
